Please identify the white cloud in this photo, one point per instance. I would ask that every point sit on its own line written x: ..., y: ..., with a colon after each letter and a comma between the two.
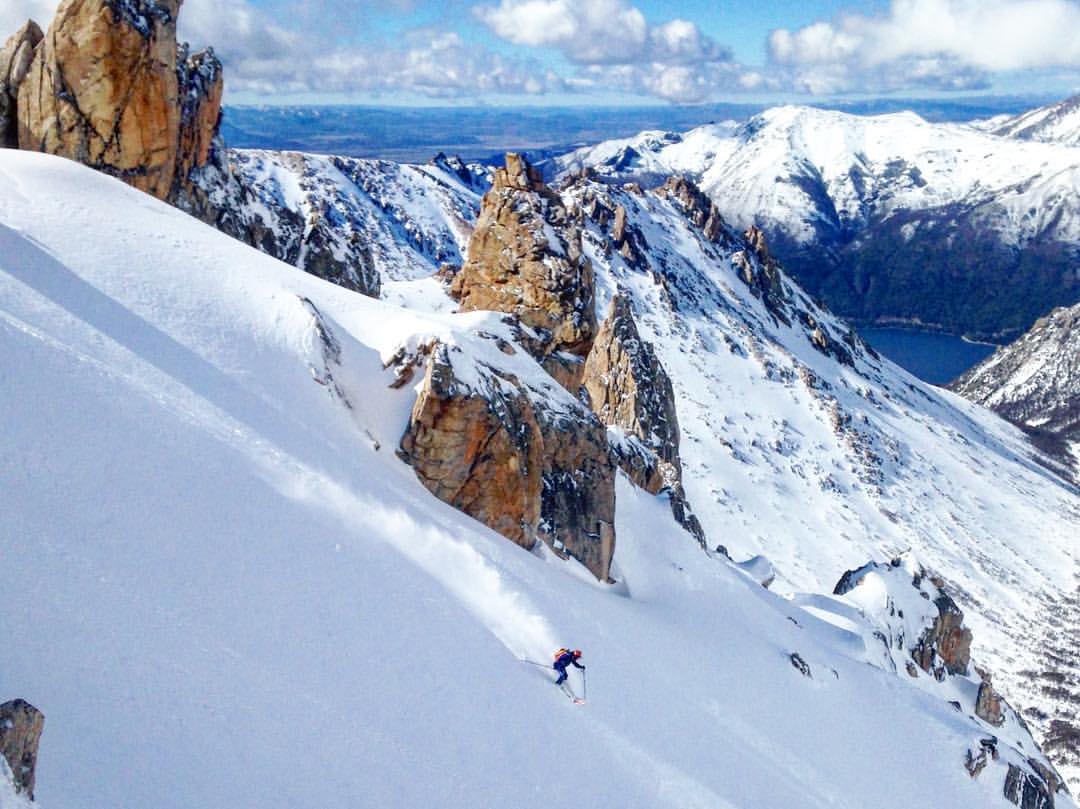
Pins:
x: 947, y: 44
x: 616, y: 48
x: 263, y: 58
x: 14, y: 13
x: 585, y: 31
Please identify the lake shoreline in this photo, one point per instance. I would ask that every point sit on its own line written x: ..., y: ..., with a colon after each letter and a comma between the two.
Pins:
x: 933, y: 356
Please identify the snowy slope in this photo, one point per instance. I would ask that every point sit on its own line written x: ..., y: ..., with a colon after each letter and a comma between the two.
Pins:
x: 230, y: 593
x: 409, y: 217
x: 1035, y: 382
x: 1054, y: 123
x: 816, y: 464
x: 886, y: 217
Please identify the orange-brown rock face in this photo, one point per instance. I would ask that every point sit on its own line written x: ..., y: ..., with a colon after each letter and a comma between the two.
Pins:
x: 493, y: 450
x: 525, y: 258
x: 628, y: 388
x: 15, y: 59
x: 103, y: 90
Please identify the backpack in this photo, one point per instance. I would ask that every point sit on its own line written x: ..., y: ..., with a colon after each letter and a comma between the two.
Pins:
x: 561, y: 652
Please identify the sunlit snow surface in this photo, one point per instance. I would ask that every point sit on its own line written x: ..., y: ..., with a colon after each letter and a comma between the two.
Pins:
x: 223, y: 588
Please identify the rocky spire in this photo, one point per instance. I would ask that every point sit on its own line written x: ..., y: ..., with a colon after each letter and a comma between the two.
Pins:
x: 628, y: 388
x: 525, y: 258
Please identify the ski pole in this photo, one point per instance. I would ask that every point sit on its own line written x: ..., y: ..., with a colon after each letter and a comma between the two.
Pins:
x: 584, y: 686
x: 533, y: 663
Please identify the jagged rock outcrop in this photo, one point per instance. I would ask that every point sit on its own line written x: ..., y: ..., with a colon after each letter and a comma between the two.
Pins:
x: 627, y: 388
x: 914, y: 623
x: 763, y: 275
x: 974, y: 762
x: 15, y: 60
x: 103, y: 90
x: 699, y: 209
x: 20, y: 731
x: 930, y: 628
x: 525, y: 258
x: 946, y: 644
x: 200, y: 86
x: 531, y: 464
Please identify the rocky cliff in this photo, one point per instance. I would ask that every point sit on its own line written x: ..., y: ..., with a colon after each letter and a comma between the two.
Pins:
x: 629, y: 390
x: 103, y: 90
x: 515, y: 452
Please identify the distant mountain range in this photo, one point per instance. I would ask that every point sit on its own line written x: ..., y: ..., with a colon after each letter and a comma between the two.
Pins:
x: 484, y: 134
x: 889, y: 219
x: 1056, y: 123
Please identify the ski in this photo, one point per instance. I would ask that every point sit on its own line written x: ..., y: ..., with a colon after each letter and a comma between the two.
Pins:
x: 570, y: 695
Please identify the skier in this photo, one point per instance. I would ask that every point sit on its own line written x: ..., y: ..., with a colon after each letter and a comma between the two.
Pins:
x: 564, y: 658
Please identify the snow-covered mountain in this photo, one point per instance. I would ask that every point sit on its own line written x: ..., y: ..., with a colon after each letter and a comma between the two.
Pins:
x: 1055, y: 123
x: 399, y: 220
x: 1035, y: 382
x: 887, y: 218
x: 265, y: 607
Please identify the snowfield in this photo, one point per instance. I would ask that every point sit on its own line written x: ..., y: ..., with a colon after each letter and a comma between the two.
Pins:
x: 224, y: 590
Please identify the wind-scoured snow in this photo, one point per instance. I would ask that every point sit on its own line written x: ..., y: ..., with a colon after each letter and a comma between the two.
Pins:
x: 225, y: 589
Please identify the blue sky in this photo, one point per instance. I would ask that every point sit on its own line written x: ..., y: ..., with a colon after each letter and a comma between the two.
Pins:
x: 626, y: 51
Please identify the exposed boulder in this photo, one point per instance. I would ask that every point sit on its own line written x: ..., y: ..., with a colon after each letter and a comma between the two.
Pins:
x: 20, y: 731
x: 1027, y: 789
x: 914, y: 614
x: 530, y: 463
x: 15, y: 60
x: 947, y: 642
x: 975, y: 763
x: 103, y: 90
x: 988, y: 704
x: 800, y: 665
x: 627, y: 388
x: 525, y: 258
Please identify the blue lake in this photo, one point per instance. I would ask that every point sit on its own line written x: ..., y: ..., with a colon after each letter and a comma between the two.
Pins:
x: 934, y: 358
